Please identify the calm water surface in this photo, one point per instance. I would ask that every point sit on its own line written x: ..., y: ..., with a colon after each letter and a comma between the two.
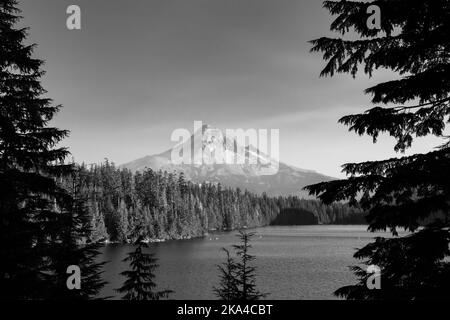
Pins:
x: 301, y: 262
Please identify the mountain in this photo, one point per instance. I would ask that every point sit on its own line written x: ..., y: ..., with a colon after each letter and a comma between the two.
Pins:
x: 221, y: 158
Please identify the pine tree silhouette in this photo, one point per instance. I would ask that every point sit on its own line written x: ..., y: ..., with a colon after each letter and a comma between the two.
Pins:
x: 31, y: 199
x: 245, y: 271
x: 411, y: 191
x: 228, y: 287
x: 139, y: 283
x: 238, y: 278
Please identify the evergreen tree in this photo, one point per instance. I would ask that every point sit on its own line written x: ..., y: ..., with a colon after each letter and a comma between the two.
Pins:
x: 122, y: 220
x: 228, y: 287
x: 98, y: 228
x: 245, y: 271
x: 30, y: 198
x: 74, y: 230
x: 406, y: 192
x: 182, y: 184
x: 238, y: 278
x: 140, y: 284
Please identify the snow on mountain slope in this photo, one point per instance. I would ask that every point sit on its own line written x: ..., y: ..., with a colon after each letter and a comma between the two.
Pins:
x: 219, y: 157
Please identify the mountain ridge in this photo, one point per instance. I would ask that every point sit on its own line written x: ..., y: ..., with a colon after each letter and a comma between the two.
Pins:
x: 266, y: 175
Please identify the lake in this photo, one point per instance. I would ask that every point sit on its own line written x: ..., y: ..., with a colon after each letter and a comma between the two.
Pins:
x: 299, y: 262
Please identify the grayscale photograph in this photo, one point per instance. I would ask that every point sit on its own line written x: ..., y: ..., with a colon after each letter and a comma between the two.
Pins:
x: 225, y: 158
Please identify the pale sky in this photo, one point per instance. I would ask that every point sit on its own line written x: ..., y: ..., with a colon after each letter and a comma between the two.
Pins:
x: 139, y: 69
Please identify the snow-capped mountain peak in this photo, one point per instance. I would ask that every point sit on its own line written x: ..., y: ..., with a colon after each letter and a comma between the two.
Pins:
x: 212, y: 155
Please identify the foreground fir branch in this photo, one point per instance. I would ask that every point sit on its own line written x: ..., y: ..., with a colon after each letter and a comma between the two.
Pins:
x: 400, y: 193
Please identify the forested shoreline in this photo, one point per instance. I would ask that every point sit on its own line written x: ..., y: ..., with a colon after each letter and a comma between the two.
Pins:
x: 169, y: 207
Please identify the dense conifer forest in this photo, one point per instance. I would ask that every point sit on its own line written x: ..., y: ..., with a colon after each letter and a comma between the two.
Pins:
x: 169, y: 207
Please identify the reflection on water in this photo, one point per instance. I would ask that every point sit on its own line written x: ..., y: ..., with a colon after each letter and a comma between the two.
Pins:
x: 301, y: 262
